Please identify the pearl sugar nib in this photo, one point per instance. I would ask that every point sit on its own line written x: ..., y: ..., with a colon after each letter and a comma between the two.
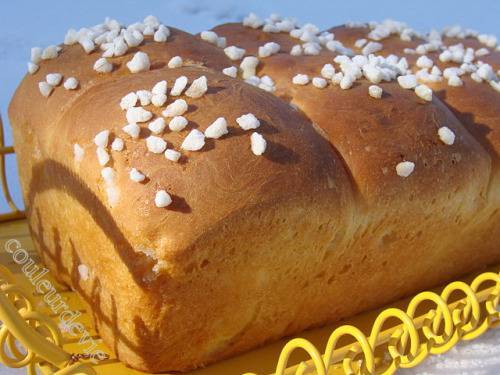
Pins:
x: 162, y: 199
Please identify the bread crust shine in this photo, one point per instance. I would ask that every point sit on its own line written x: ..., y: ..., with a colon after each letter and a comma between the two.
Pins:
x: 253, y: 248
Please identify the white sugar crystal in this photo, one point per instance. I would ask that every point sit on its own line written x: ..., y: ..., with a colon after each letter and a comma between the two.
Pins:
x: 71, y: 83
x: 51, y: 52
x: 108, y: 174
x: 119, y: 48
x: 132, y: 129
x: 209, y: 36
x: 319, y: 82
x: 405, y: 168
x: 372, y: 73
x: 495, y: 86
x: 156, y: 144
x: 453, y: 71
x: 104, y: 39
x: 265, y: 87
x: 311, y: 49
x: 375, y: 91
x: 157, y: 126
x: 138, y: 114
x: 234, y: 53
x: 221, y: 42
x: 32, y: 68
x: 161, y: 35
x: 148, y: 31
x: 175, y: 62
x: 446, y: 135
x: 436, y: 71
x: 144, y: 97
x: 476, y: 78
x: 178, y: 123
x: 139, y: 63
x: 231, y: 71
x: 36, y: 55
x: 488, y: 40
x: 162, y: 199
x: 267, y: 80
x: 217, y: 129
x: 485, y: 71
x: 337, y: 78
x: 258, y: 143
x: 177, y: 108
x: 445, y: 56
x: 346, y: 82
x: 172, y: 154
x: 424, y: 92
x: 102, y: 156
x: 45, y: 88
x: 358, y: 60
x: 151, y: 21
x: 327, y: 71
x: 455, y: 81
x: 198, y: 88
x: 371, y: 47
x: 133, y: 37
x: 103, y: 66
x: 248, y: 121
x: 158, y: 99
x: 300, y: 79
x: 108, y: 49
x: 286, y: 25
x: 117, y: 144
x: 179, y: 86
x: 78, y: 152
x: 160, y: 88
x: 264, y: 51
x: 253, y: 21
x: 53, y: 79
x: 482, y: 52
x: 87, y: 44
x: 254, y: 80
x: 360, y: 43
x: 102, y: 139
x: 296, y: 50
x: 129, y: 101
x: 249, y: 66
x: 194, y: 141
x: 269, y: 49
x: 136, y: 176
x: 408, y: 81
x: 84, y: 272
x: 270, y: 28
x: 424, y: 62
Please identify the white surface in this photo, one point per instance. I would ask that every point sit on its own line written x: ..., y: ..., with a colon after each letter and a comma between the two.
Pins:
x: 24, y: 24
x: 478, y: 357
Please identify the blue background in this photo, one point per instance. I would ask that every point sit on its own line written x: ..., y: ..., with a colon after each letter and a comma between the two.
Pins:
x: 24, y: 24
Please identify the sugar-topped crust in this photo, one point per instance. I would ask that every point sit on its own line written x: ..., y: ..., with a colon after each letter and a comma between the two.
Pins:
x: 206, y: 194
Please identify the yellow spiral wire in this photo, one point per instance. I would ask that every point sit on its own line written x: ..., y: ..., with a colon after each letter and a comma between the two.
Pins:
x: 442, y: 326
x: 459, y: 312
x: 38, y: 334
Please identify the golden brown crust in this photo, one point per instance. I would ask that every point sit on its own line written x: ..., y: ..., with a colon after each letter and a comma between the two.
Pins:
x: 373, y: 136
x: 251, y: 39
x: 254, y: 248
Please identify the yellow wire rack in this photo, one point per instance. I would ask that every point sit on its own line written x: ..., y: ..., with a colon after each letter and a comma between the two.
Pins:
x: 378, y: 342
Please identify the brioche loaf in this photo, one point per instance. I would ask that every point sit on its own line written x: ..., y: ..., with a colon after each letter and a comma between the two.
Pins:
x: 318, y: 201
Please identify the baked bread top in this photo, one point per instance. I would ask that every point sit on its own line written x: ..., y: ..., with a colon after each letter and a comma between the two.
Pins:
x: 331, y: 136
